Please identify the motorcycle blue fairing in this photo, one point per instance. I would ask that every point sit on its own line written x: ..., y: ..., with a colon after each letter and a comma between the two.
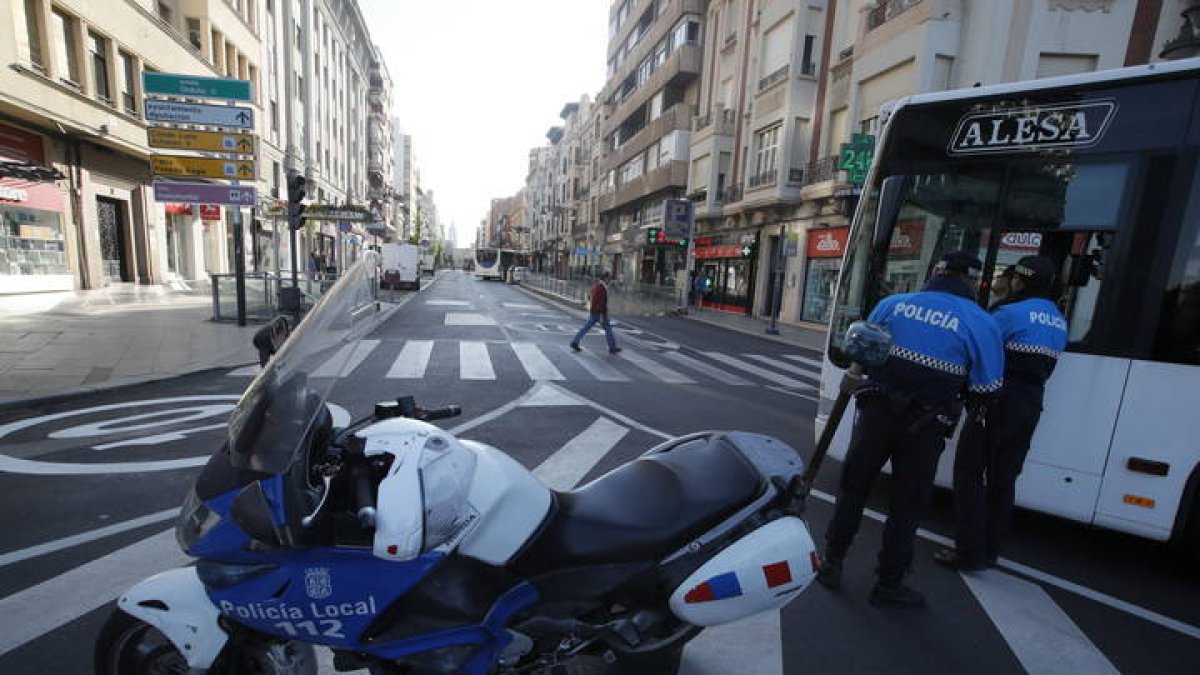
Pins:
x: 336, y: 596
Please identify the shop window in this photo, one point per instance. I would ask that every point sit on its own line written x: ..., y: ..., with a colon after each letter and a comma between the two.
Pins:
x: 31, y: 242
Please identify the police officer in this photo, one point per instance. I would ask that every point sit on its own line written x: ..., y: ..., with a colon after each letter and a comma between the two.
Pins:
x: 1034, y: 334
x: 942, y: 343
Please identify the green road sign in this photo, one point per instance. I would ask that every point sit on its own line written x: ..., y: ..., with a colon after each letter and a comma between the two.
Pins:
x: 170, y: 84
x: 856, y: 157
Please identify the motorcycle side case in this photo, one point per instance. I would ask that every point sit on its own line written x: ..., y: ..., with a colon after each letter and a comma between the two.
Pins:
x: 761, y: 571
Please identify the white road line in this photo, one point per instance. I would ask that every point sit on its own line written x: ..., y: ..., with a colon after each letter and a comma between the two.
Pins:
x: 752, y: 645
x: 347, y: 359
x: 1041, y: 635
x: 448, y: 303
x: 656, y: 369
x: 54, y: 602
x: 722, y: 376
x: 761, y: 372
x: 474, y: 363
x: 786, y: 367
x: 567, y: 466
x: 86, y: 537
x: 535, y: 362
x: 412, y: 361
x: 245, y: 371
x: 1051, y: 580
x: 522, y: 305
x: 816, y: 363
x: 597, y: 367
x: 469, y: 319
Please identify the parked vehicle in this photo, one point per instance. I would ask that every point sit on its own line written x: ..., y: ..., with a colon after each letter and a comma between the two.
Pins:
x: 401, y: 266
x: 427, y: 265
x: 407, y: 550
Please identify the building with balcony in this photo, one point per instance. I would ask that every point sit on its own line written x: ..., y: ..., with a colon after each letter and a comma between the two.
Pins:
x: 655, y: 53
x: 380, y: 157
x: 751, y: 146
x: 76, y: 203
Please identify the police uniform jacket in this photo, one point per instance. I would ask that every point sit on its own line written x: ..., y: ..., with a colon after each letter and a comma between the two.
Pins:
x: 942, y: 342
x: 1034, y: 334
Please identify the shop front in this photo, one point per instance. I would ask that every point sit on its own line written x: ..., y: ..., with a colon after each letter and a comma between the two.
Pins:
x: 727, y: 263
x: 823, y: 262
x: 33, y: 242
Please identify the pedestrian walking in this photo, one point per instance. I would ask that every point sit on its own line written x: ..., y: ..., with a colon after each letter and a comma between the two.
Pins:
x: 699, y: 286
x: 942, y: 343
x: 598, y: 312
x: 992, y: 449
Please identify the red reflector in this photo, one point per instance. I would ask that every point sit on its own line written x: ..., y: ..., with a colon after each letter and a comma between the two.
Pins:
x: 392, y: 550
x: 778, y: 574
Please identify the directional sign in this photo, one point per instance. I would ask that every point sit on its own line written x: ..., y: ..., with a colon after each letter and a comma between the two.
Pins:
x: 170, y: 84
x: 207, y: 141
x: 205, y: 193
x: 200, y: 167
x: 199, y: 113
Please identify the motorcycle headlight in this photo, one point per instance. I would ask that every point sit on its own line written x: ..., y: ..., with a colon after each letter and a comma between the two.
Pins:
x: 195, y: 521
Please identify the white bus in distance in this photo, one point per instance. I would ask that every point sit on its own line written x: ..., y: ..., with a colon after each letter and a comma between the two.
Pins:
x: 1098, y: 172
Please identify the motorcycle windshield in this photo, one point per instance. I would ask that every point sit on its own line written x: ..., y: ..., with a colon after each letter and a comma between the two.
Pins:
x: 280, y: 407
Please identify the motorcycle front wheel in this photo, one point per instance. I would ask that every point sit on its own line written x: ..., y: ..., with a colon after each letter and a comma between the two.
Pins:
x: 129, y: 646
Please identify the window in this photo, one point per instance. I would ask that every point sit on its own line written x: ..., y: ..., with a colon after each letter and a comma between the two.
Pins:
x: 270, y: 6
x: 274, y: 116
x: 766, y: 144
x: 97, y: 47
x: 128, y: 79
x: 807, y: 67
x: 193, y: 31
x: 68, y: 50
x: 164, y: 12
x: 33, y: 32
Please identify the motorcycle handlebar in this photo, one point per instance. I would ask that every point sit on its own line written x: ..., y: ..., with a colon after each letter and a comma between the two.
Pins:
x: 440, y: 413
x: 362, y: 490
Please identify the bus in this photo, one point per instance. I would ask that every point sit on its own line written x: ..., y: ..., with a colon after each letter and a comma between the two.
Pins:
x: 494, y: 263
x: 1099, y: 172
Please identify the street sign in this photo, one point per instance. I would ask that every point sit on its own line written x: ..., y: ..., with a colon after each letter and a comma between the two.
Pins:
x: 205, y: 193
x: 202, y: 167
x: 199, y: 113
x: 357, y: 214
x: 677, y: 218
x: 170, y: 84
x: 856, y: 157
x: 210, y: 212
x: 205, y: 141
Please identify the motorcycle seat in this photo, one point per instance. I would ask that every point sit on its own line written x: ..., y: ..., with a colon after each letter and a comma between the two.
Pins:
x: 644, y: 510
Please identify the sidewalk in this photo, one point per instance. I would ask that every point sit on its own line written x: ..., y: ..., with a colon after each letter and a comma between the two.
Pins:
x: 63, y: 343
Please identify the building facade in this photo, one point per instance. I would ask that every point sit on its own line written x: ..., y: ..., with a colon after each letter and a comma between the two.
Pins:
x: 655, y: 59
x: 786, y: 84
x: 75, y: 182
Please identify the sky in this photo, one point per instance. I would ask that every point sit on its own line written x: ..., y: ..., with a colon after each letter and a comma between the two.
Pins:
x: 477, y: 83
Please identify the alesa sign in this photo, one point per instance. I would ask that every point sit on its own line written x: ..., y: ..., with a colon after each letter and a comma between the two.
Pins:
x: 1032, y: 128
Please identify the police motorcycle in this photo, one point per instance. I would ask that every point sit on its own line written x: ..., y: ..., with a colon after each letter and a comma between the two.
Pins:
x: 406, y: 550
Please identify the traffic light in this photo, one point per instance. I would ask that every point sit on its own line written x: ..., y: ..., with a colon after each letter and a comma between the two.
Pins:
x: 296, y: 193
x: 652, y: 235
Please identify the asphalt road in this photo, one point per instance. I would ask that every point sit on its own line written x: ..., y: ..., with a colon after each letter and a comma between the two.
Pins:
x: 89, y: 484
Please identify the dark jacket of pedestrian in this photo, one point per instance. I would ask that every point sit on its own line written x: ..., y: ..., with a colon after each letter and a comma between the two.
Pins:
x: 598, y: 300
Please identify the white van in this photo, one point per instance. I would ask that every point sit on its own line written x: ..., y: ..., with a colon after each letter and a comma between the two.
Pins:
x: 401, y: 266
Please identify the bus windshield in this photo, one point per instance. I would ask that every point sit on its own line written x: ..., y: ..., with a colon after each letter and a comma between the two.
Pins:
x: 486, y: 257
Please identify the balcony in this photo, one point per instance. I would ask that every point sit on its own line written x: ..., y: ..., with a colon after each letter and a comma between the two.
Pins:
x: 886, y: 10
x: 774, y: 78
x: 763, y: 179
x: 685, y: 64
x: 659, y: 28
x: 732, y: 194
x: 673, y: 175
x: 817, y: 172
x: 677, y: 118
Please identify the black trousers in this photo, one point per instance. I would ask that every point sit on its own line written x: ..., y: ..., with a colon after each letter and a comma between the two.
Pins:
x: 989, y: 459
x: 883, y: 431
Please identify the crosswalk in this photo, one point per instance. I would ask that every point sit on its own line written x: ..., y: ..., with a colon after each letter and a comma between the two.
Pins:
x: 480, y: 360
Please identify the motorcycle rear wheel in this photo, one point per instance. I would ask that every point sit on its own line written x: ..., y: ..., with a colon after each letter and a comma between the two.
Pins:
x: 129, y: 646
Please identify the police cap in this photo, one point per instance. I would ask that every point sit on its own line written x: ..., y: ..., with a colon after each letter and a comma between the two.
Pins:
x: 1035, y: 270
x: 959, y: 262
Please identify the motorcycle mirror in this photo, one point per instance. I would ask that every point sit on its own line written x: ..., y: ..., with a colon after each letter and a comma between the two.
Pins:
x: 867, y: 343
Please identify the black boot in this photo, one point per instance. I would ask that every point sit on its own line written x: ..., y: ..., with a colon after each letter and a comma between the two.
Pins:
x: 896, y: 595
x: 830, y: 575
x: 948, y: 557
